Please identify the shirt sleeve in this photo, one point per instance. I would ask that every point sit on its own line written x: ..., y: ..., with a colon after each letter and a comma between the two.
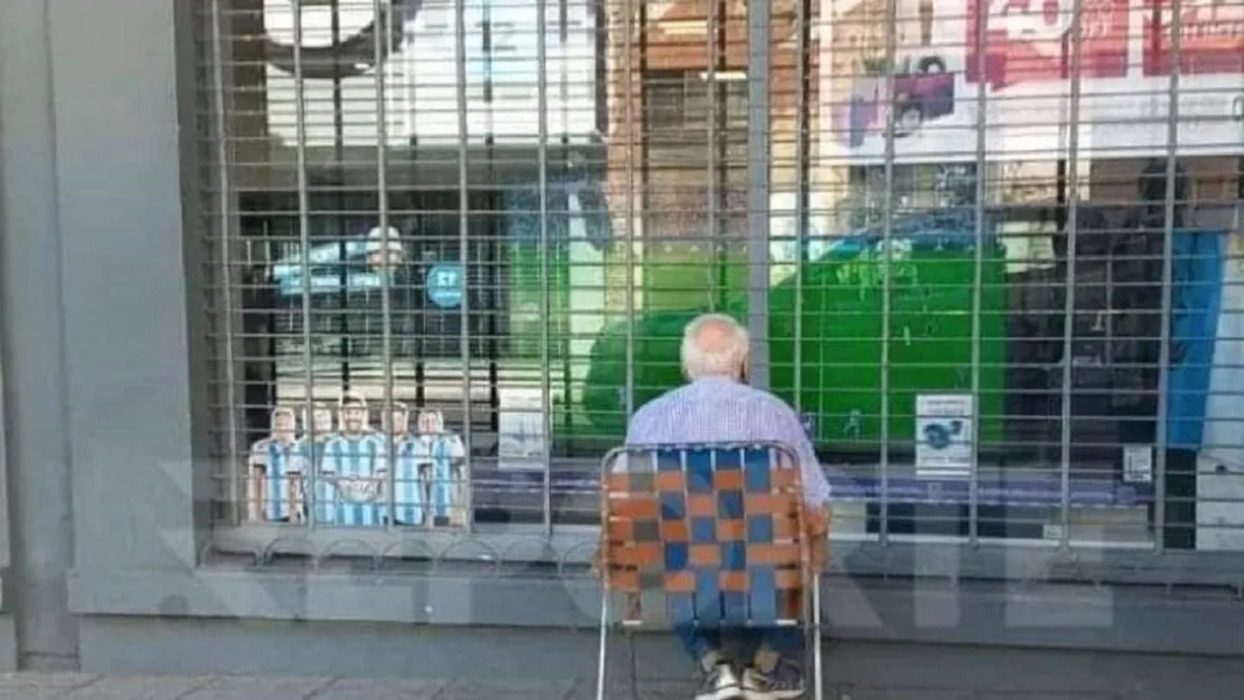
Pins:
x: 381, y: 463
x: 635, y: 428
x: 816, y: 491
x: 328, y: 461
x: 637, y: 433
x: 457, y: 450
x: 258, y: 455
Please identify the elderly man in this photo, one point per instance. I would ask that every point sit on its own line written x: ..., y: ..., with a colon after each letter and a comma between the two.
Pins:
x: 717, y: 406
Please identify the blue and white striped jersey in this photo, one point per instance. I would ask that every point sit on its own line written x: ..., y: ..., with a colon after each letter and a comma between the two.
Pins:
x: 314, y: 453
x: 408, y: 486
x: 354, y: 457
x: 441, y: 451
x: 280, y: 461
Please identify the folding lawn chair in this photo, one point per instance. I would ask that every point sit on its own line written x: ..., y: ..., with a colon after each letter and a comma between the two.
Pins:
x: 714, y: 535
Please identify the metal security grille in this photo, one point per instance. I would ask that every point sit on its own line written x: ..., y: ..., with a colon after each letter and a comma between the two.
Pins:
x: 989, y: 251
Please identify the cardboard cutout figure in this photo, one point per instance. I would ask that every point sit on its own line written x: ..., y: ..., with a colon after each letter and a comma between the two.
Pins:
x: 443, y: 452
x: 276, y: 469
x: 318, y: 415
x: 408, y: 489
x: 353, y: 468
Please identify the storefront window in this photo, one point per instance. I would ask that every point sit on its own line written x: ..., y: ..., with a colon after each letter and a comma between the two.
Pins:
x: 1003, y: 261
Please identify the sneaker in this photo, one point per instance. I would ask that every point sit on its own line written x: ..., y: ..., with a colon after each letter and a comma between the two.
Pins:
x: 784, y: 682
x: 719, y: 684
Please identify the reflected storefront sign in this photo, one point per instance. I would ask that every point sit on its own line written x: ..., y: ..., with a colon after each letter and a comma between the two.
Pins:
x: 1023, y: 70
x: 502, y: 70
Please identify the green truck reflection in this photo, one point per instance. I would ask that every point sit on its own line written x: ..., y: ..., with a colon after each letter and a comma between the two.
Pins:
x: 833, y: 317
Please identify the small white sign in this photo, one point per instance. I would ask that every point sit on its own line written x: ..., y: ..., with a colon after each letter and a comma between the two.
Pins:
x: 521, y: 430
x: 945, y: 426
x: 1138, y: 464
x: 1051, y: 531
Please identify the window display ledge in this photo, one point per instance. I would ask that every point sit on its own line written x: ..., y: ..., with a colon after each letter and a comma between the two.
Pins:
x: 1137, y: 618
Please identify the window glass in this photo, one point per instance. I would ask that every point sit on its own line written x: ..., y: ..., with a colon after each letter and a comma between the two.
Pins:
x: 1003, y: 273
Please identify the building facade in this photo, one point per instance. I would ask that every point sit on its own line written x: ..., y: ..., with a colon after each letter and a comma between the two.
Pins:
x: 317, y: 324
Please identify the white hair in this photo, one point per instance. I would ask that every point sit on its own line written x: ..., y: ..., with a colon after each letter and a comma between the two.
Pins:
x: 720, y: 356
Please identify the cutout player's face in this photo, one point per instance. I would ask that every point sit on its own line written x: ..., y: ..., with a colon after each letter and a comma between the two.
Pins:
x: 429, y: 422
x: 400, y: 422
x: 323, y: 420
x: 283, y: 422
x: 353, y: 418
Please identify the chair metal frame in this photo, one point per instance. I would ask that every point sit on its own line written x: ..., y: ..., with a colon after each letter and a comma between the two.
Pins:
x: 621, y: 499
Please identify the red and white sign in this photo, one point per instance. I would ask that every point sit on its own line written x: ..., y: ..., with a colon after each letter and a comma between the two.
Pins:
x: 1030, y: 40
x: 1211, y: 37
x: 1023, y: 68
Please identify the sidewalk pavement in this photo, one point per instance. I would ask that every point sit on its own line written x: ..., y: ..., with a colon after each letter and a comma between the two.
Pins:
x: 83, y: 686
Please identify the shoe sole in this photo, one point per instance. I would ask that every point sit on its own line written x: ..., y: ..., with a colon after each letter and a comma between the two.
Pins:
x: 722, y: 694
x: 773, y: 694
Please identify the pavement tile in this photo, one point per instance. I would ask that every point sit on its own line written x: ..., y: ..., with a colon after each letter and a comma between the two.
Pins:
x: 868, y: 693
x: 36, y: 685
x: 647, y: 690
x: 138, y: 688
x: 382, y: 689
x: 257, y: 687
x: 1020, y: 695
x: 465, y: 689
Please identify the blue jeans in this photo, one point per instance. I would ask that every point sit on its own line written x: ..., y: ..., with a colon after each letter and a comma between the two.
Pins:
x: 744, y: 641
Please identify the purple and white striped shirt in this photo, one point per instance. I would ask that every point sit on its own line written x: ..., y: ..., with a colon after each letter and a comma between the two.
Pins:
x: 717, y: 409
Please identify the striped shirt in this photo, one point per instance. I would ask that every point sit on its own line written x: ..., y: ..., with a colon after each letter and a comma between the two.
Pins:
x: 407, y: 486
x: 279, y: 461
x: 717, y: 409
x: 313, y: 451
x: 353, y: 457
x: 441, y: 451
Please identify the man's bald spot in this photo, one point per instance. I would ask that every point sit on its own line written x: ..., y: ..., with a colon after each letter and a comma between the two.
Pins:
x: 714, y: 345
x: 714, y: 336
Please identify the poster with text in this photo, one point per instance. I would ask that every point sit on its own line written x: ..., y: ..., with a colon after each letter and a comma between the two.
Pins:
x: 945, y: 424
x: 1017, y: 81
x: 520, y: 426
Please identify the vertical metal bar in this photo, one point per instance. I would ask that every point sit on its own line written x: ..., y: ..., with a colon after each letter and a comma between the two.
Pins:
x: 389, y: 265
x: 464, y: 251
x: 758, y: 176
x: 710, y: 45
x: 887, y: 231
x: 978, y: 273
x: 1168, y: 254
x: 602, y: 651
x: 304, y: 242
x: 1069, y: 302
x: 801, y: 190
x: 629, y: 130
x: 348, y: 342
x: 546, y: 393
x: 224, y: 175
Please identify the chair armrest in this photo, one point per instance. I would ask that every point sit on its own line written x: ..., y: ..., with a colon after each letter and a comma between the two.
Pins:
x: 817, y: 520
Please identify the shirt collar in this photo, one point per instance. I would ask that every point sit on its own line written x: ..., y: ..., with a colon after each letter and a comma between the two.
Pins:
x: 713, y: 380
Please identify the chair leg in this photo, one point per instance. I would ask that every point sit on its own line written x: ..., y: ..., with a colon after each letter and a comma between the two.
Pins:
x: 818, y: 672
x: 604, y: 645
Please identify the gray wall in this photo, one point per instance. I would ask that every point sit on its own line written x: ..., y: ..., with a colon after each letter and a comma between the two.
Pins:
x: 36, y: 430
x: 105, y: 500
x: 94, y: 303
